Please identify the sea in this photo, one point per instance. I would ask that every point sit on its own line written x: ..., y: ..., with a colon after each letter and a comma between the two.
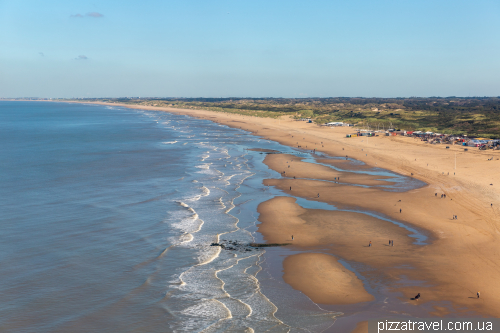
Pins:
x: 108, y: 216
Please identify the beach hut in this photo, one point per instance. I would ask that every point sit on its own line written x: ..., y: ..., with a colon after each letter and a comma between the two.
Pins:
x: 335, y: 123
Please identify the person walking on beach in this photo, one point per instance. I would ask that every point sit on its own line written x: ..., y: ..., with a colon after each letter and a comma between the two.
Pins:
x: 292, y: 237
x: 318, y: 195
x: 290, y: 188
x: 389, y: 242
x: 392, y: 242
x: 478, y: 294
x: 370, y: 244
x: 399, y: 210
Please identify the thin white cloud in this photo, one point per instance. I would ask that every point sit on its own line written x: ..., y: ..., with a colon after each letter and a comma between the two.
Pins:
x: 91, y: 14
x: 94, y: 14
x: 81, y: 57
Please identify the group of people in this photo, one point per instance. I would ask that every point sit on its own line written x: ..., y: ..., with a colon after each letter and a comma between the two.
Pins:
x: 391, y: 243
x: 418, y: 296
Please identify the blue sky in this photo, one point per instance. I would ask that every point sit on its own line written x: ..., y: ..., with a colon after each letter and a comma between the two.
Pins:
x: 255, y: 48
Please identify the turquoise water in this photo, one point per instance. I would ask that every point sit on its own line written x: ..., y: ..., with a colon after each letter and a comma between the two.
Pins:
x: 107, y: 219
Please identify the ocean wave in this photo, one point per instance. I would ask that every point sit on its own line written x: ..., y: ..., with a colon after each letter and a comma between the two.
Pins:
x: 228, y: 178
x: 182, y: 204
x: 222, y: 203
x: 210, y: 254
x: 186, y: 238
x: 208, y: 309
x: 206, y: 191
x: 169, y: 142
x: 204, y: 166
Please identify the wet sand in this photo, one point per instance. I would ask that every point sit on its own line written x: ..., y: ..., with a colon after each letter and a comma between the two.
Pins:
x: 460, y: 256
x: 323, y: 279
x: 292, y: 167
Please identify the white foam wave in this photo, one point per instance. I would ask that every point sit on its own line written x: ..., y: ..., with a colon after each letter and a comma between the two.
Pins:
x: 169, y: 142
x: 209, y: 255
x: 189, y: 225
x: 211, y: 308
x: 204, y: 166
x: 186, y: 238
x: 206, y: 191
x: 228, y: 178
x: 222, y: 203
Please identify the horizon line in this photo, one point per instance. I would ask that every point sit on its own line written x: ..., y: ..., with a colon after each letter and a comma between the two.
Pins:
x: 234, y: 97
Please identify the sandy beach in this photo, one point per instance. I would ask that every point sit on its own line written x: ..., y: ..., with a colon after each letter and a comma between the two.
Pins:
x: 459, y: 257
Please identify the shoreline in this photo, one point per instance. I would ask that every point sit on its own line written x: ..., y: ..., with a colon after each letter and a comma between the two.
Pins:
x: 462, y: 258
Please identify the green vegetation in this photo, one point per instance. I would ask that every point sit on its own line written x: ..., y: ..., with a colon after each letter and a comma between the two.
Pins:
x: 474, y: 116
